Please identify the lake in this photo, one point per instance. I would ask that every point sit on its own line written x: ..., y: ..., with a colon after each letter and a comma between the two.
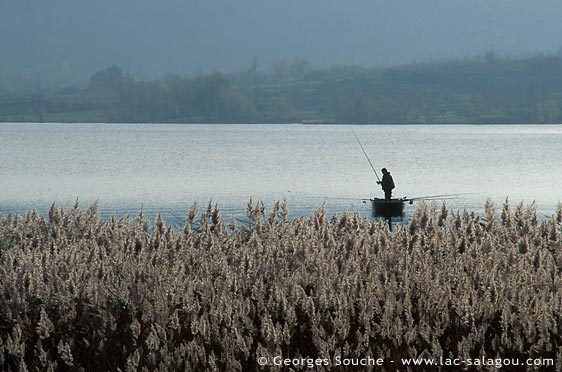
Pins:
x: 164, y: 167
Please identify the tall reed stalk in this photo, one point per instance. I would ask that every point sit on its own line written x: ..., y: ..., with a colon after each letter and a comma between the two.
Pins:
x: 83, y: 294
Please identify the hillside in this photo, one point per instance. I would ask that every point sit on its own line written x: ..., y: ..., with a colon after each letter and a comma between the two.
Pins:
x: 489, y: 90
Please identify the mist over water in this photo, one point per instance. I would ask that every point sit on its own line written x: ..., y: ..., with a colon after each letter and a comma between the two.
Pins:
x: 164, y: 168
x: 67, y: 41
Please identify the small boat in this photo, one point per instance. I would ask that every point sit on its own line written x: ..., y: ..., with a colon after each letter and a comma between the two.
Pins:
x: 389, y: 208
x: 393, y: 207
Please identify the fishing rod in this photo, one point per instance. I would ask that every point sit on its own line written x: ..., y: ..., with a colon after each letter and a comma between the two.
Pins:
x: 176, y: 217
x: 367, y: 156
x: 437, y: 196
x: 332, y: 198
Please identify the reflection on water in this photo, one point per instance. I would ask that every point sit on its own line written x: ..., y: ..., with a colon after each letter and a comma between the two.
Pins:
x: 164, y: 168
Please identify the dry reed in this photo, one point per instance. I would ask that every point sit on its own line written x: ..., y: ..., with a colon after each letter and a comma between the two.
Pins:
x: 81, y: 293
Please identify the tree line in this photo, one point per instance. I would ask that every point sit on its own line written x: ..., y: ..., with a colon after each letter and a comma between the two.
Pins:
x: 486, y: 90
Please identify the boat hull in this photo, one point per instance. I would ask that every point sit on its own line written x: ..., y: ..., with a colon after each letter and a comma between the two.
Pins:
x: 387, y: 208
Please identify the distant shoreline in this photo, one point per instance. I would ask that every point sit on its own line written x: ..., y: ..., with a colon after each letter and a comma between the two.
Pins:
x: 497, y: 91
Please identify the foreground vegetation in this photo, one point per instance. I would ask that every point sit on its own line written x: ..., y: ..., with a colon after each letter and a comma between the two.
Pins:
x: 80, y: 293
x: 485, y: 90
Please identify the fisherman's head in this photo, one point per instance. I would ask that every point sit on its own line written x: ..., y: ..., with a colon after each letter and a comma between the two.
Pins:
x: 384, y: 171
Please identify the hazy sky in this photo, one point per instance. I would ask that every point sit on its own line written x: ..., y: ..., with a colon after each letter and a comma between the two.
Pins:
x: 73, y: 38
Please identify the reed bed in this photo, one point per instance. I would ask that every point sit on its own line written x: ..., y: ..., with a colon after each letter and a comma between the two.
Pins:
x: 83, y: 294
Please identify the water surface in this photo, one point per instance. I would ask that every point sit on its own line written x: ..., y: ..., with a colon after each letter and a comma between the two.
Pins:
x: 164, y: 168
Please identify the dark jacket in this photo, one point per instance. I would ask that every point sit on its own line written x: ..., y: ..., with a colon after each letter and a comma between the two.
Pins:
x: 387, y: 182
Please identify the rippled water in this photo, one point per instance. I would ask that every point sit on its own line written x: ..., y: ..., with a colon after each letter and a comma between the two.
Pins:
x: 164, y: 168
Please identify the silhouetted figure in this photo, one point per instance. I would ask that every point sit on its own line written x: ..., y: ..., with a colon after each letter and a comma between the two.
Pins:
x: 387, y: 184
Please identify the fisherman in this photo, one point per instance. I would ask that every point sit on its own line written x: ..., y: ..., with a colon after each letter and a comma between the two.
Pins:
x: 387, y: 184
